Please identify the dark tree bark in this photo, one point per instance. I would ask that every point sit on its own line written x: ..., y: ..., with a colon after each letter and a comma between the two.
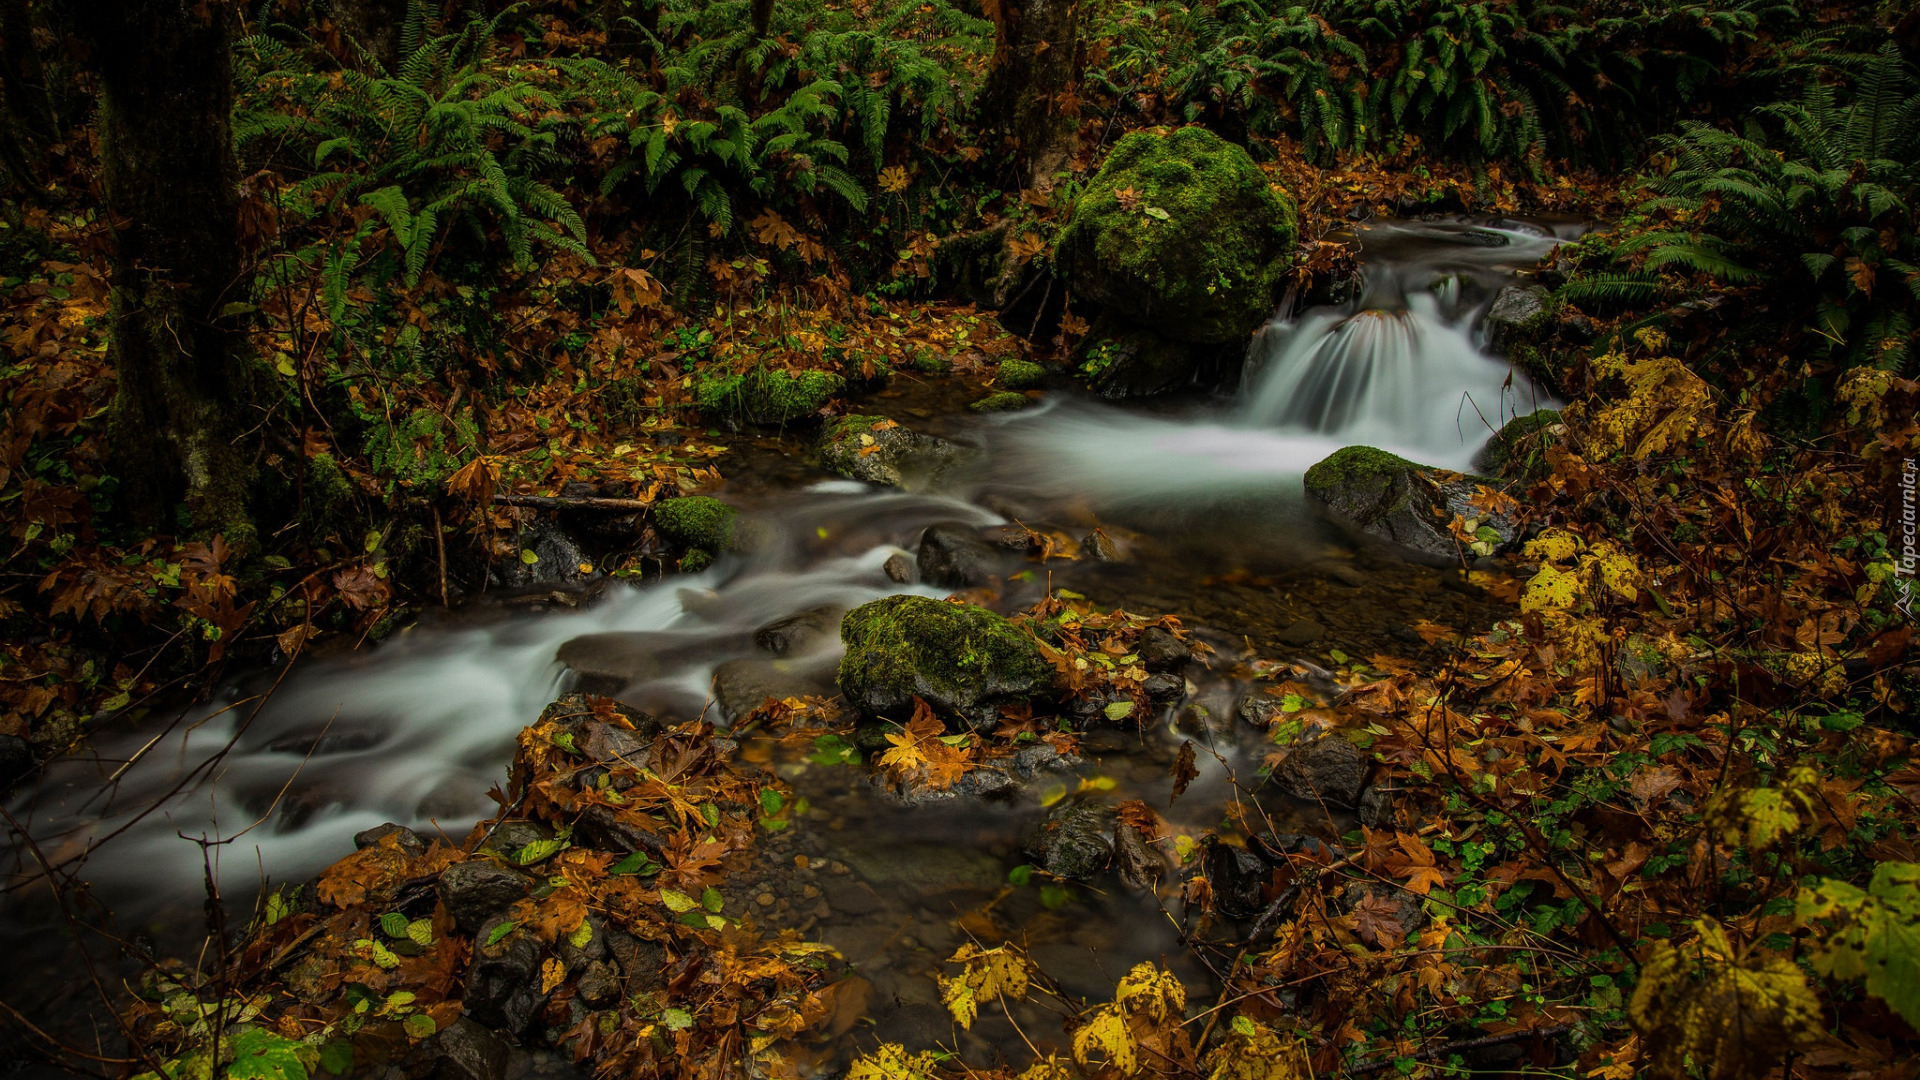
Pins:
x: 762, y: 18
x: 172, y: 193
x: 375, y: 25
x: 1034, y: 52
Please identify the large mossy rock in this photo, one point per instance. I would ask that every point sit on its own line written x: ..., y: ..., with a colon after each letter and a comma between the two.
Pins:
x: 773, y: 398
x: 1199, y: 254
x: 964, y: 661
x: 1386, y: 498
x: 701, y: 525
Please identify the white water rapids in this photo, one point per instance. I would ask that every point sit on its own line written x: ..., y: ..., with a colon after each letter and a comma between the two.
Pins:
x: 416, y: 730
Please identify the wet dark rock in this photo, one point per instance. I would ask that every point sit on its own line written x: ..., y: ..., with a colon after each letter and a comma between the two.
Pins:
x: 1029, y: 762
x: 876, y: 450
x: 577, y: 957
x: 1238, y: 876
x: 1159, y: 649
x: 953, y: 556
x: 1328, y: 769
x: 406, y: 838
x: 1120, y: 361
x: 502, y: 988
x: 477, y: 890
x: 464, y: 1050
x: 1387, y: 499
x: 800, y: 632
x: 849, y: 897
x: 509, y: 837
x: 963, y: 661
x: 741, y: 686
x: 899, y: 569
x: 872, y: 738
x: 1259, y: 708
x: 1518, y: 312
x: 1376, y: 805
x: 1100, y: 547
x: 605, y: 664
x: 604, y: 829
x: 1302, y: 633
x: 642, y: 962
x: 597, y: 987
x: 1074, y: 842
x: 988, y: 782
x: 605, y: 742
x: 16, y: 760
x: 1164, y: 687
x: 1275, y: 847
x: 556, y: 559
x: 1139, y: 864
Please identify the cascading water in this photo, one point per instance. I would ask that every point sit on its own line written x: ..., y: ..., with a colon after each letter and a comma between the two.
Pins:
x: 417, y: 730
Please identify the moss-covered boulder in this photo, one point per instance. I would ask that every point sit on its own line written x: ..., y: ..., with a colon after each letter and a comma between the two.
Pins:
x: 1519, y: 449
x: 702, y: 526
x: 773, y: 398
x: 1181, y: 233
x: 1386, y: 498
x: 1019, y: 374
x: 1004, y: 401
x: 964, y: 661
x: 877, y: 450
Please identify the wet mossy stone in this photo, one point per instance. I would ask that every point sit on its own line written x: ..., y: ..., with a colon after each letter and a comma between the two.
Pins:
x: 767, y: 397
x: 1520, y: 313
x: 1198, y: 250
x: 1005, y: 401
x: 1519, y: 448
x: 1020, y: 374
x: 964, y: 661
x: 1120, y: 361
x: 876, y: 450
x: 699, y: 523
x: 1384, y: 497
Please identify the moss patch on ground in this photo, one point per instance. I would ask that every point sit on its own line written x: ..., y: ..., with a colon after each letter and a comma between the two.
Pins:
x: 767, y: 397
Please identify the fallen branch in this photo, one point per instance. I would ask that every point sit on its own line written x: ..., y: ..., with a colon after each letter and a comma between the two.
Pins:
x: 566, y: 502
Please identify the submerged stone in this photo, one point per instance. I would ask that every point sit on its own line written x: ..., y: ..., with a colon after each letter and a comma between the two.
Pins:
x: 963, y: 661
x: 1075, y: 842
x: 1181, y: 233
x: 876, y: 450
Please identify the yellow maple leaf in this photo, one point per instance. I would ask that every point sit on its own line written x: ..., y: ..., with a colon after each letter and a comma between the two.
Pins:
x: 989, y: 974
x: 894, y: 179
x: 1106, y: 1035
x: 552, y: 974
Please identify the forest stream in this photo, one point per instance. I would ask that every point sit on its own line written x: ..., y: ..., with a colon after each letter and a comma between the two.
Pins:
x: 1202, y: 499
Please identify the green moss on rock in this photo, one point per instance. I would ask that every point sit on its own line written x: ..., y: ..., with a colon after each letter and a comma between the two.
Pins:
x: 964, y: 661
x: 1360, y: 467
x: 1201, y: 252
x: 1020, y: 374
x: 1519, y: 447
x: 696, y: 522
x: 1005, y: 401
x: 767, y: 397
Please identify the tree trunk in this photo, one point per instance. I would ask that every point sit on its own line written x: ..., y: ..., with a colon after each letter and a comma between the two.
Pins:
x: 1033, y: 64
x: 375, y: 25
x: 762, y: 18
x: 172, y: 192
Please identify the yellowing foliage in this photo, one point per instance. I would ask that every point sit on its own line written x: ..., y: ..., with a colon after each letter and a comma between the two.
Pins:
x: 1701, y: 1009
x: 891, y: 1061
x: 1666, y: 405
x: 1760, y: 817
x: 1146, y: 1012
x: 989, y: 974
x: 1875, y: 934
x: 1253, y: 1051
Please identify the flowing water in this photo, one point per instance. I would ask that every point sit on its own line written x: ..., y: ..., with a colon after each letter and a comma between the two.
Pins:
x: 1205, y: 497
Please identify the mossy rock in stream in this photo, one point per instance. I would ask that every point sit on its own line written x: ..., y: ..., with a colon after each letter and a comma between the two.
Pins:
x: 1198, y: 249
x: 962, y: 660
x: 1004, y: 401
x: 772, y: 398
x: 701, y: 524
x: 877, y: 450
x: 1019, y: 374
x: 1386, y: 498
x: 1519, y: 448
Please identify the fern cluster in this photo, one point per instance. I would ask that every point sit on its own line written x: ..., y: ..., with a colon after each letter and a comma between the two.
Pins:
x: 1815, y: 196
x: 1519, y: 81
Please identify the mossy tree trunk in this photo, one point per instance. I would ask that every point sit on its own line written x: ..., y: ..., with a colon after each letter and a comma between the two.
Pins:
x: 172, y: 192
x: 1035, y: 45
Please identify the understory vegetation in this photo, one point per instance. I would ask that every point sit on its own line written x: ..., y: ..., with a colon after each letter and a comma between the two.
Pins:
x: 1659, y: 817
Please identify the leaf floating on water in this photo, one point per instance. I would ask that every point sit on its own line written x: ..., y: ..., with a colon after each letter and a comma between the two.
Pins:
x: 1184, y: 770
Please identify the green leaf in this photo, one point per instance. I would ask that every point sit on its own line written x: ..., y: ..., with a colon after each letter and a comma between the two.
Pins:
x: 635, y: 863
x: 527, y: 556
x: 259, y: 1054
x: 676, y: 1019
x: 1054, y: 897
x: 420, y: 1026
x: 771, y: 801
x: 420, y: 932
x: 582, y: 935
x: 1155, y: 212
x: 1876, y: 934
x: 393, y: 924
x: 539, y: 850
x: 1020, y: 875
x: 677, y: 902
x: 500, y: 932
x: 336, y: 1056
x: 1118, y: 710
x: 711, y: 900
